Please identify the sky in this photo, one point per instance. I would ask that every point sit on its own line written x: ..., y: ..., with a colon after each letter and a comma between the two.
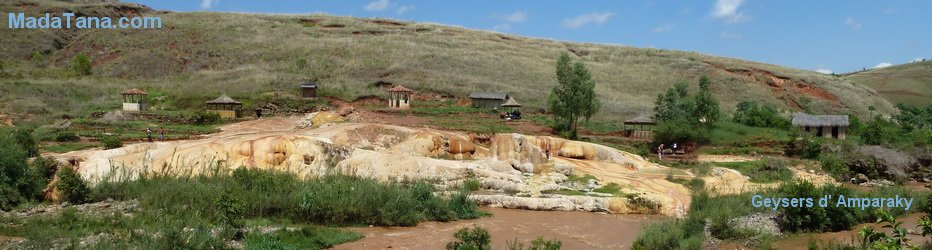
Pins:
x: 824, y: 36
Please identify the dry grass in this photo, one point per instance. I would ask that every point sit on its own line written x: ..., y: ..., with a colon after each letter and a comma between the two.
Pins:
x: 907, y: 84
x: 201, y: 55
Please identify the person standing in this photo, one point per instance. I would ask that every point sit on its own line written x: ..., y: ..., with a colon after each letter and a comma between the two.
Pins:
x: 161, y: 133
x: 149, y: 134
x: 660, y: 151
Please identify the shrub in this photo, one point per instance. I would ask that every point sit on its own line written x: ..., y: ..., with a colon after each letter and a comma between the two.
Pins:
x: 815, y: 218
x: 680, y: 132
x: 67, y: 137
x: 472, y: 184
x: 81, y: 65
x: 71, y: 186
x: 309, y: 237
x: 229, y: 213
x: 12, y: 164
x: 538, y: 244
x: 835, y: 166
x: 26, y: 142
x: 751, y: 114
x: 670, y: 234
x: 37, y: 177
x: 343, y: 200
x: 203, y: 118
x: 475, y: 239
x: 110, y: 142
x: 804, y: 146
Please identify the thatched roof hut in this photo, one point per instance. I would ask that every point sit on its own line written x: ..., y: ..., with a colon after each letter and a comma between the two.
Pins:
x: 223, y: 99
x: 511, y: 103
x: 641, y: 120
x: 803, y: 120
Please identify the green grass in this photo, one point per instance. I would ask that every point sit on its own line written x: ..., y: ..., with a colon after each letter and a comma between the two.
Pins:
x: 758, y: 171
x: 197, y: 58
x: 262, y: 197
x: 309, y: 237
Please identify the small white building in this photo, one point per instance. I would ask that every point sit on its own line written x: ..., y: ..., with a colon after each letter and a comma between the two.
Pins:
x: 134, y: 100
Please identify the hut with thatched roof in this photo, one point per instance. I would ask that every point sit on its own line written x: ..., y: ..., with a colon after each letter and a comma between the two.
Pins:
x: 399, y: 97
x: 641, y: 127
x: 225, y: 106
x: 832, y: 126
x: 134, y: 100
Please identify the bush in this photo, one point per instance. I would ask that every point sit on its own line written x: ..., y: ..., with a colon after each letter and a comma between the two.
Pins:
x: 538, y: 244
x: 835, y: 166
x: 680, y: 132
x: 81, y: 65
x: 67, y: 137
x: 342, y: 200
x: 71, y: 186
x: 671, y: 234
x: 12, y: 165
x: 40, y: 171
x: 815, y: 218
x: 751, y: 114
x: 203, y: 118
x: 475, y: 239
x: 804, y: 146
x: 26, y: 142
x: 310, y: 237
x: 110, y: 142
x: 229, y: 213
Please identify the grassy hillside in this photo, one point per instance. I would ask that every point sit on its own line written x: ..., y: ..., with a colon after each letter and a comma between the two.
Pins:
x: 198, y: 56
x: 909, y: 83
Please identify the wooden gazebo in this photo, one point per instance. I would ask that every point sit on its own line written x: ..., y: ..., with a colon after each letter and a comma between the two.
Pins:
x: 399, y: 97
x: 225, y: 106
x: 134, y: 100
x: 511, y: 105
x: 640, y: 127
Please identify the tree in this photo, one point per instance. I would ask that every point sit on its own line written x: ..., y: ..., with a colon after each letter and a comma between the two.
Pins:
x: 573, y: 98
x: 706, y: 109
x: 81, y: 64
x: 71, y: 186
x: 673, y: 104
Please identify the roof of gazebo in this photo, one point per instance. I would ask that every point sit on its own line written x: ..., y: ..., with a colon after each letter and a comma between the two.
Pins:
x: 641, y: 119
x: 134, y: 92
x: 511, y: 103
x: 399, y: 88
x: 223, y: 99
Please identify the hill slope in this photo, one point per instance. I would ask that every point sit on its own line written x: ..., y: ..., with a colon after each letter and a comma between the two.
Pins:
x: 909, y: 83
x: 197, y: 56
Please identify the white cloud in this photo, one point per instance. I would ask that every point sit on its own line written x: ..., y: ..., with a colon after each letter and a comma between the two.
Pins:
x: 377, y: 5
x: 207, y: 4
x: 404, y: 8
x: 502, y: 27
x: 854, y: 24
x: 594, y: 17
x: 728, y: 10
x: 517, y: 17
x: 882, y: 65
x: 664, y: 28
x: 731, y: 36
x: 917, y: 59
x: 824, y: 71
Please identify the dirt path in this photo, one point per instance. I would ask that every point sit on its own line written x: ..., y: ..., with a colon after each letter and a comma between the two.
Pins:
x: 576, y: 230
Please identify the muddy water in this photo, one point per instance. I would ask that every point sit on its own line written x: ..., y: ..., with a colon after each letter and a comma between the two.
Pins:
x: 577, y: 230
x: 851, y: 236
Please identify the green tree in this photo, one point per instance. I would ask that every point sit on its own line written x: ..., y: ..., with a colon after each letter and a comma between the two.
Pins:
x: 673, y: 104
x: 706, y: 106
x: 573, y: 98
x: 71, y: 186
x: 876, y: 131
x: 23, y: 138
x: 12, y: 168
x: 475, y: 239
x: 81, y: 64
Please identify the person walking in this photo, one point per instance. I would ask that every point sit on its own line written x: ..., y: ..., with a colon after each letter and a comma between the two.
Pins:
x: 149, y: 134
x: 161, y: 133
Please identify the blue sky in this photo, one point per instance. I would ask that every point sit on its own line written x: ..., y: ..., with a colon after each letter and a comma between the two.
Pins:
x: 836, y: 36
